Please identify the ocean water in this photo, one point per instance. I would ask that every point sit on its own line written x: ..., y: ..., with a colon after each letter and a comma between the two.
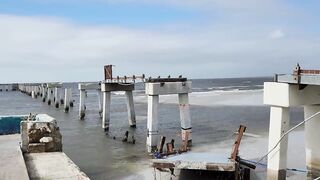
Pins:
x: 218, y: 107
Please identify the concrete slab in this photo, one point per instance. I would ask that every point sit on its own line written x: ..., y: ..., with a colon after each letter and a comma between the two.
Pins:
x: 55, y: 165
x: 12, y: 165
x: 197, y: 161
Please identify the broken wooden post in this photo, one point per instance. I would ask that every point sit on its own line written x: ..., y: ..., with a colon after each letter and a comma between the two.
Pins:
x: 169, y: 148
x: 162, y: 142
x: 237, y: 142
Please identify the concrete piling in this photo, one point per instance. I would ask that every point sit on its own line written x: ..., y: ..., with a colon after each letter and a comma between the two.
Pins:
x: 100, y: 102
x: 49, y: 96
x: 130, y: 109
x: 312, y: 142
x: 106, y: 110
x: 163, y: 86
x: 107, y: 88
x: 152, y: 124
x: 44, y: 90
x: 67, y: 97
x: 281, y: 96
x: 56, y: 97
x: 82, y: 104
x: 185, y: 118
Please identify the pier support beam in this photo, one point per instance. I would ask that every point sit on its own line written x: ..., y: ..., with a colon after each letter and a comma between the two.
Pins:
x: 100, y: 102
x: 56, y: 97
x: 49, y: 96
x: 312, y: 141
x: 67, y: 97
x: 107, y: 88
x: 106, y: 110
x: 185, y: 118
x: 156, y: 87
x: 33, y: 94
x: 82, y: 107
x: 130, y: 109
x: 277, y: 159
x: 152, y: 124
x: 44, y: 94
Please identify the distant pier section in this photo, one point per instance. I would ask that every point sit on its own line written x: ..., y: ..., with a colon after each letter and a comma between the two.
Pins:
x: 8, y: 87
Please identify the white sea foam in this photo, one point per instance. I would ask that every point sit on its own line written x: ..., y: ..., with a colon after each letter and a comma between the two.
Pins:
x: 233, y: 97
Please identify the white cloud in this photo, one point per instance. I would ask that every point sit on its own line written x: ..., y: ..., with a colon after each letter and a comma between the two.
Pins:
x: 276, y: 34
x: 46, y: 49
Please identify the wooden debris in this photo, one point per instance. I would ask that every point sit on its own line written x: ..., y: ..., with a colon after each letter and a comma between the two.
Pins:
x: 236, y: 145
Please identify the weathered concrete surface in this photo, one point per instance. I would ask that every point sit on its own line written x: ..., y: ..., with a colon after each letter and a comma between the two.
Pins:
x: 41, y: 135
x: 12, y: 164
x: 53, y: 165
x: 197, y: 161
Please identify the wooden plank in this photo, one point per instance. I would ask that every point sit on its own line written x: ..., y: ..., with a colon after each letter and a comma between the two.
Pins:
x: 236, y: 145
x: 163, y: 140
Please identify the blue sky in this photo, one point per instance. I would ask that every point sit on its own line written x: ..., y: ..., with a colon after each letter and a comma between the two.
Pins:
x: 98, y: 12
x: 73, y: 39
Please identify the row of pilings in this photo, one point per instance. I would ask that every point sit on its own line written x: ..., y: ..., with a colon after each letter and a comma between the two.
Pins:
x: 55, y: 94
x: 51, y: 93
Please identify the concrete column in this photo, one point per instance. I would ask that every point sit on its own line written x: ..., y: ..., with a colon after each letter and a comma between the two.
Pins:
x: 67, y: 97
x: 312, y: 135
x: 152, y: 124
x: 130, y: 109
x: 33, y: 94
x: 185, y: 118
x: 277, y: 159
x: 56, y: 97
x: 82, y: 107
x: 100, y: 102
x: 71, y: 100
x: 106, y: 110
x: 44, y: 94
x: 49, y: 98
x: 61, y: 96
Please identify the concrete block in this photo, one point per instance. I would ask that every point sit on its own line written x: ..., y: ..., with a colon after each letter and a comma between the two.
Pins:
x: 117, y: 87
x: 88, y: 86
x: 285, y: 95
x: 168, y: 88
x: 36, y: 147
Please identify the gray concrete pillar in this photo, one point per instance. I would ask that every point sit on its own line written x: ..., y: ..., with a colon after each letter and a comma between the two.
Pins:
x: 312, y: 135
x: 33, y: 94
x: 277, y: 159
x: 49, y: 99
x: 56, y: 97
x: 67, y: 97
x: 44, y: 94
x: 185, y: 118
x: 106, y: 110
x: 100, y: 102
x: 82, y: 107
x: 152, y: 124
x: 130, y: 109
